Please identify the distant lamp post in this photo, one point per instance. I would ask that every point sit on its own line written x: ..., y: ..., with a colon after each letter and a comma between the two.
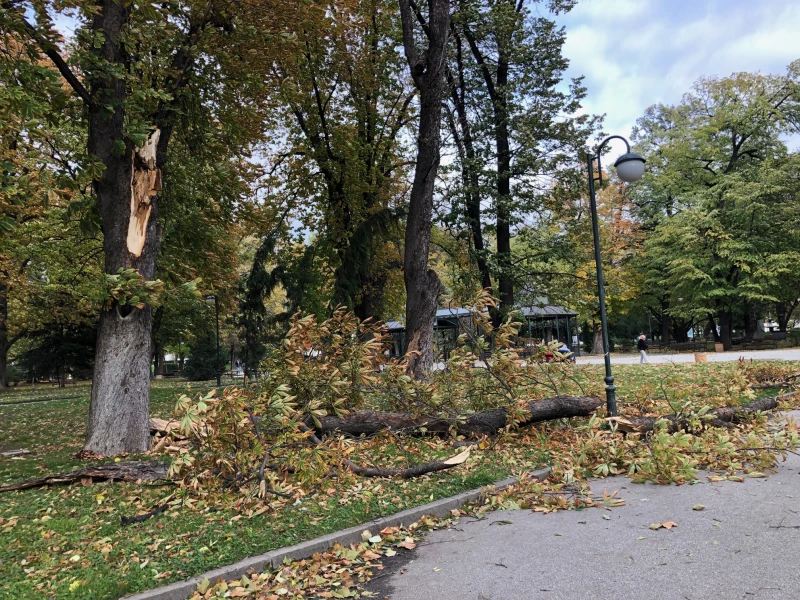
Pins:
x: 630, y: 168
x: 211, y: 300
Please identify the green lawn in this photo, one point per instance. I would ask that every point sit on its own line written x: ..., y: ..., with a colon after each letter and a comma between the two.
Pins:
x: 67, y: 542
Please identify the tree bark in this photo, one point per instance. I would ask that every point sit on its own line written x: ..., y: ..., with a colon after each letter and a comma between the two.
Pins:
x: 721, y: 417
x: 726, y: 329
x: 597, y: 339
x: 120, y: 402
x: 469, y: 169
x: 483, y: 423
x: 4, y: 341
x: 423, y: 287
x: 123, y: 471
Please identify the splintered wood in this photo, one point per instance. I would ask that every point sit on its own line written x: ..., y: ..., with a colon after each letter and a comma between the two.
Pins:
x: 145, y: 183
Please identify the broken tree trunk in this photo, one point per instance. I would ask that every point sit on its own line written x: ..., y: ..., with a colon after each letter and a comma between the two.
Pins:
x: 367, y: 422
x: 121, y: 471
x: 720, y: 417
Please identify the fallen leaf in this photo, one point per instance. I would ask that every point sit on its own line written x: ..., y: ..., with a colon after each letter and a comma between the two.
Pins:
x: 408, y: 544
x: 698, y: 507
x: 458, y: 459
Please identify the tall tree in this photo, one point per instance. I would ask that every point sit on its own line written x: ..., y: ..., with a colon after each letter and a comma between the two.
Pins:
x: 344, y: 102
x: 423, y: 287
x: 138, y: 68
x: 708, y: 241
x: 505, y: 77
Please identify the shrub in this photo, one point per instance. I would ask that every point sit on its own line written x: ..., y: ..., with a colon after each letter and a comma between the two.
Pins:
x: 201, y: 364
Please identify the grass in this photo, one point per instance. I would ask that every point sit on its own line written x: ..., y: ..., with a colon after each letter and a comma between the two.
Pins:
x: 67, y: 542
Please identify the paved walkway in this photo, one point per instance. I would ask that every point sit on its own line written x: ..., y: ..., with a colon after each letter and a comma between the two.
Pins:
x: 683, y: 357
x: 744, y: 545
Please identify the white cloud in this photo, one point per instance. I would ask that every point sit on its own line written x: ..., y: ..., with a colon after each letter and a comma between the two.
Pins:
x: 638, y: 53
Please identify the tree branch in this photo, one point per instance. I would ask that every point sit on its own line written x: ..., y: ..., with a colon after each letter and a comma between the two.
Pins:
x: 50, y: 50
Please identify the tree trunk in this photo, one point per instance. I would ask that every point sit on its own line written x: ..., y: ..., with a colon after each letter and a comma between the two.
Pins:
x: 713, y: 327
x: 720, y: 417
x: 5, y: 345
x: 423, y: 287
x: 784, y: 311
x: 505, y: 276
x: 158, y: 359
x: 488, y: 422
x: 726, y: 329
x: 750, y: 321
x: 469, y: 170
x: 597, y: 339
x: 127, y: 200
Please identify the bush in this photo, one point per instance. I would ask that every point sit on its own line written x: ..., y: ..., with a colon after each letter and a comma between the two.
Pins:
x: 201, y: 364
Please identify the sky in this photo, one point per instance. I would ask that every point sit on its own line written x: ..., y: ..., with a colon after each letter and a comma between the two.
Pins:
x: 636, y: 53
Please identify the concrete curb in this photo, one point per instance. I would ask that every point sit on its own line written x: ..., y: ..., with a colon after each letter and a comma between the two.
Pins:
x: 180, y: 590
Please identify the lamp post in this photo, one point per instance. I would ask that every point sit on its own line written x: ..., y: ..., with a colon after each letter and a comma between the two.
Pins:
x: 212, y: 299
x: 630, y: 167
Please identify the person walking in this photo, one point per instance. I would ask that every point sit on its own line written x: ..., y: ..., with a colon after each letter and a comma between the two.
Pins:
x: 641, y: 345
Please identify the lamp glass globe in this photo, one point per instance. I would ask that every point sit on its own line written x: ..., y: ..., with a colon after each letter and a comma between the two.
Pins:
x: 630, y: 170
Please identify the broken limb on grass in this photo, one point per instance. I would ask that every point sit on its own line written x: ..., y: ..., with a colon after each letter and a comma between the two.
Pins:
x: 407, y: 473
x: 725, y: 416
x: 489, y: 422
x: 143, y: 517
x: 121, y: 471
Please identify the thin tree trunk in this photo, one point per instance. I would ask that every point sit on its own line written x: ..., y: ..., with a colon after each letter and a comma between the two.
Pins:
x: 713, y: 327
x: 4, y: 341
x: 505, y: 278
x: 726, y: 329
x: 158, y: 354
x: 664, y: 324
x: 423, y: 287
x: 469, y: 170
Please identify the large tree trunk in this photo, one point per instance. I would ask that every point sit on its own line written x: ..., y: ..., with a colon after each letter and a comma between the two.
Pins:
x: 488, y: 422
x: 597, y: 339
x: 120, y: 404
x: 423, y: 287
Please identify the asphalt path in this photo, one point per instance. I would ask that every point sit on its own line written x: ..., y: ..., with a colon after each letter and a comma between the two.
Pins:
x: 684, y: 357
x: 745, y: 544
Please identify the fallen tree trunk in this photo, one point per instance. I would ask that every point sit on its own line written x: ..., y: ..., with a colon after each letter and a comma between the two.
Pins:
x: 368, y: 422
x: 725, y: 416
x: 121, y: 471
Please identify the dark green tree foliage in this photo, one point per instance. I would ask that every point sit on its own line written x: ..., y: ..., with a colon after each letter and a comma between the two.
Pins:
x: 58, y: 352
x: 515, y: 143
x: 719, y: 201
x: 343, y: 103
x: 201, y: 364
x: 255, y: 324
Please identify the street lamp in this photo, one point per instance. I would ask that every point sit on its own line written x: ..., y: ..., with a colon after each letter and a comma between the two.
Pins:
x: 211, y: 299
x: 630, y: 167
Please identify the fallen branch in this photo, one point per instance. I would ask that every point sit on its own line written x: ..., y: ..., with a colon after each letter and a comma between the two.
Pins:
x: 143, y: 517
x: 720, y: 417
x: 367, y: 422
x: 121, y: 471
x: 407, y: 473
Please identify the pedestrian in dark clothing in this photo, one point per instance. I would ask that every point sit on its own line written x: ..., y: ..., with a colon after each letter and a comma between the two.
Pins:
x: 641, y: 345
